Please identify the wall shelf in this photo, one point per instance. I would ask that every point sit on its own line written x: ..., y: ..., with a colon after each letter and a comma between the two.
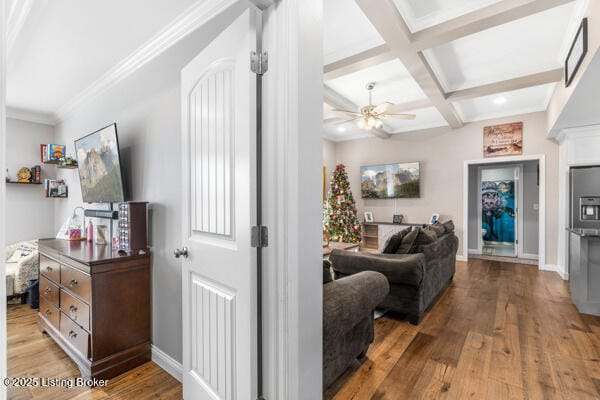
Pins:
x: 23, y: 183
x: 59, y: 165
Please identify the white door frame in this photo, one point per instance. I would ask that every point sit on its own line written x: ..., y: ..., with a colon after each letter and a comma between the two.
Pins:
x: 3, y: 332
x: 519, y: 206
x: 541, y: 158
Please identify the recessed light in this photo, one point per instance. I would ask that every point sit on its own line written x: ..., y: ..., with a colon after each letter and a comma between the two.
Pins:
x: 500, y: 100
x: 341, y: 129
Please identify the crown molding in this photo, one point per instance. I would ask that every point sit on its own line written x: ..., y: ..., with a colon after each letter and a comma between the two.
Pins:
x: 30, y: 116
x: 581, y: 131
x: 188, y: 21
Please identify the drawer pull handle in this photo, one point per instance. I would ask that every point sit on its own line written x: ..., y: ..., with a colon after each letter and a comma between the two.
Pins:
x: 73, y: 282
x: 48, y: 289
x: 48, y: 312
x: 73, y: 309
x: 48, y: 269
x: 72, y: 334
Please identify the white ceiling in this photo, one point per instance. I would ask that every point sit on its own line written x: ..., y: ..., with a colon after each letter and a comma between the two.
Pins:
x: 518, y: 48
x: 421, y: 14
x: 529, y: 45
x: 346, y: 30
x: 66, y: 45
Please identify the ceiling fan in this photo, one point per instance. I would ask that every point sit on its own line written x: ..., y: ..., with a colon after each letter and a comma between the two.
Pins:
x: 371, y: 116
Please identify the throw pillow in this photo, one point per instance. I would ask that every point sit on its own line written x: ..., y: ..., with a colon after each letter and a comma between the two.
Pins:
x: 407, y: 242
x: 392, y: 244
x: 424, y: 237
x: 449, y: 226
x: 439, y: 228
x: 327, y: 271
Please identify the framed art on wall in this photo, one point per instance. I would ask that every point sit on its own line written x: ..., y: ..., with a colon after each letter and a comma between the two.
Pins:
x: 577, y: 53
x: 503, y: 140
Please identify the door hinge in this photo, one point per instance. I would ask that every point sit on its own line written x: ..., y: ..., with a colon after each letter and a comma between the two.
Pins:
x: 259, y: 62
x: 259, y: 236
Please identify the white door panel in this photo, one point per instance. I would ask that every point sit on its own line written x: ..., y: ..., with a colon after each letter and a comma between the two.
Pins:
x: 219, y: 308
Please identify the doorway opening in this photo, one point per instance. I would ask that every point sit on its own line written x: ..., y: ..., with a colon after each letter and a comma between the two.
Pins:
x: 504, y: 209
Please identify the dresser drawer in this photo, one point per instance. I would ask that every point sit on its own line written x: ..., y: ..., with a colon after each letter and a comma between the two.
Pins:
x: 76, y: 309
x: 75, y: 281
x: 50, y: 268
x: 49, y: 312
x: 74, y: 335
x: 49, y: 290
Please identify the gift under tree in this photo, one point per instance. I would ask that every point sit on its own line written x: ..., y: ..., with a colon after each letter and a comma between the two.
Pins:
x: 339, y: 215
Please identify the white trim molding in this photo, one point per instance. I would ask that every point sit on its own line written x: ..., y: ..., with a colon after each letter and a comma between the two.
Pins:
x: 30, y: 116
x: 462, y: 258
x: 187, y: 22
x: 541, y: 158
x: 168, y: 363
x: 555, y: 268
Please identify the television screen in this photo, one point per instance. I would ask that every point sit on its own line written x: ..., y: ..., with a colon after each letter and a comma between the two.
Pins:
x: 100, y: 166
x: 390, y: 181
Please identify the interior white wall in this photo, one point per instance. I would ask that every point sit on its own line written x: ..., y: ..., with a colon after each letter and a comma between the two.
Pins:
x: 442, y: 154
x: 2, y: 191
x: 146, y: 108
x: 31, y: 214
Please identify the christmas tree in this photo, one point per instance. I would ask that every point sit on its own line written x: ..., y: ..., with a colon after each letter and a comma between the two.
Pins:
x: 339, y: 214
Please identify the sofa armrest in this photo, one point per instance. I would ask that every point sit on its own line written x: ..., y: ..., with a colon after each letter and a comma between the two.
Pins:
x: 407, y: 269
x: 348, y: 300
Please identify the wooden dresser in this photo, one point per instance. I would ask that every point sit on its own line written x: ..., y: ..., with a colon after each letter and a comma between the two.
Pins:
x: 95, y: 304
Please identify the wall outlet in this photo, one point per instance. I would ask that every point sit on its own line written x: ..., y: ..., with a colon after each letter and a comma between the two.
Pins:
x: 536, y: 206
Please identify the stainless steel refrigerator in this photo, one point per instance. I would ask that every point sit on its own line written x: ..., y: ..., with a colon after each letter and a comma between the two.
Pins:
x: 585, y: 197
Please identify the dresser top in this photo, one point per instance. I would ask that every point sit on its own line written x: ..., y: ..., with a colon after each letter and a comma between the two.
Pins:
x: 86, y: 253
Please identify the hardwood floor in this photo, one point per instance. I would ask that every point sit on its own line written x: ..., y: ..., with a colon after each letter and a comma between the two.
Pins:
x: 33, y: 354
x: 500, y: 331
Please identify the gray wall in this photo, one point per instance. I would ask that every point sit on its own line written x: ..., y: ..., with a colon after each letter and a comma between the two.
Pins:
x: 29, y: 214
x: 442, y: 154
x: 146, y: 108
x: 528, y: 213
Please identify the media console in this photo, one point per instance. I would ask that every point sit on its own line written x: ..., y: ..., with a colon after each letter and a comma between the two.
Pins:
x: 95, y: 304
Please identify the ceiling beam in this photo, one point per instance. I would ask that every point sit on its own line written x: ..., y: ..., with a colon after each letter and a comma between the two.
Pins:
x: 508, y: 85
x: 485, y: 18
x: 488, y: 17
x: 368, y: 58
x: 386, y: 18
x: 336, y: 100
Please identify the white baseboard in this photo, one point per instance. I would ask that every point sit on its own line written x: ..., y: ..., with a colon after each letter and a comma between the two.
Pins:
x: 461, y: 258
x: 166, y: 362
x: 530, y: 256
x: 474, y: 251
x: 555, y: 268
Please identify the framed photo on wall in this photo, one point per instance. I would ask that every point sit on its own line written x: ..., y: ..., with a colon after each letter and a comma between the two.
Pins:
x: 503, y: 140
x: 577, y: 53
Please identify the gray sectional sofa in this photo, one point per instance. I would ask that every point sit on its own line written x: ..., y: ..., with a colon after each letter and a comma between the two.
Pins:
x: 348, y: 305
x: 417, y: 278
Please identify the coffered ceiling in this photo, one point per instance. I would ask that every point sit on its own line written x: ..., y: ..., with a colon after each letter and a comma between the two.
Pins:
x: 449, y: 62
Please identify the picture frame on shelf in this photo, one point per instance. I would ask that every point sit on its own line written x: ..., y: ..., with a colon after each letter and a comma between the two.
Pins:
x: 397, y: 218
x: 369, y: 216
x: 434, y: 218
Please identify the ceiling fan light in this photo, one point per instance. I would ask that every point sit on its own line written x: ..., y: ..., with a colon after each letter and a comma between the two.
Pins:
x: 371, y: 122
x: 378, y: 123
x: 362, y: 124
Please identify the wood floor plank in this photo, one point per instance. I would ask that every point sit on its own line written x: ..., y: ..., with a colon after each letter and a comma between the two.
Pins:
x: 497, y: 390
x: 33, y: 354
x: 470, y: 377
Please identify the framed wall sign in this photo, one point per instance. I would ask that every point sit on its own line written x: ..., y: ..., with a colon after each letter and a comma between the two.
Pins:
x: 503, y: 140
x: 576, y: 53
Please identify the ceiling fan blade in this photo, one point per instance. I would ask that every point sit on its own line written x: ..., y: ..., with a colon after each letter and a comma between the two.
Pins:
x: 383, y: 107
x: 347, y: 112
x: 347, y: 120
x: 398, y: 116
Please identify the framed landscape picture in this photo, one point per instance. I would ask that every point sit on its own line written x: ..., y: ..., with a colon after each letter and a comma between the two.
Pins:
x: 503, y: 140
x: 390, y: 181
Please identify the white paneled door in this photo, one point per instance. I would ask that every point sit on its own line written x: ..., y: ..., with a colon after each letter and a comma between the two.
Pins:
x: 219, y: 308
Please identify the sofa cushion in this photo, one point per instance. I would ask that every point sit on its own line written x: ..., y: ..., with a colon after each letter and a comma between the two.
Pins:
x: 449, y: 226
x: 327, y: 271
x: 406, y: 269
x: 424, y: 237
x: 392, y: 244
x: 408, y: 242
x: 438, y: 228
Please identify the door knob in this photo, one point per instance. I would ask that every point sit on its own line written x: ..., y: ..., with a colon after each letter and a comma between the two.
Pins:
x: 181, y: 252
